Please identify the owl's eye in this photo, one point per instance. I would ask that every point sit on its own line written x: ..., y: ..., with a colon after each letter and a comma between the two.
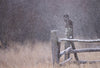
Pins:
x: 66, y: 16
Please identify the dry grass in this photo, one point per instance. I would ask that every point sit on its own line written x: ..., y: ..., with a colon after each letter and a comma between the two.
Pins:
x: 26, y: 56
x: 38, y: 56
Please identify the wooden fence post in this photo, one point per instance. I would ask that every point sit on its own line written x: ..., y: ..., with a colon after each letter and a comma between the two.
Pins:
x: 55, y: 48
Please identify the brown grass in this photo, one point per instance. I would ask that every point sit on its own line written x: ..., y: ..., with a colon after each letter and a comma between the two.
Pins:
x: 37, y: 56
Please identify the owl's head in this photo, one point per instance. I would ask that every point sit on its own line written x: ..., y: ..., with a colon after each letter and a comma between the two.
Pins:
x: 66, y: 17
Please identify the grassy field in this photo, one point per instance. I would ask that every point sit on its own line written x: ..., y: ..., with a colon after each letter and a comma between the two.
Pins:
x: 38, y: 56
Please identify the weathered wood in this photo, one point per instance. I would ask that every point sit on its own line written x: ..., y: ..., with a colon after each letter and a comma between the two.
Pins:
x: 66, y: 51
x: 79, y: 40
x: 85, y: 50
x: 67, y: 55
x: 69, y: 50
x: 66, y: 61
x: 55, y: 47
x: 85, y: 62
x: 69, y: 45
x: 79, y: 62
x: 75, y: 54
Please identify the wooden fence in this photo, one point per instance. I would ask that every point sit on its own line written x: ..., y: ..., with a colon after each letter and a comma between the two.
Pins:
x: 69, y: 46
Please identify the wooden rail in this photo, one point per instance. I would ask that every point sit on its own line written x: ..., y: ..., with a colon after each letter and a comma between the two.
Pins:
x: 79, y: 40
x: 65, y: 51
x: 86, y: 50
x: 78, y: 62
x: 56, y: 54
x: 84, y: 62
x: 69, y: 46
x: 70, y: 50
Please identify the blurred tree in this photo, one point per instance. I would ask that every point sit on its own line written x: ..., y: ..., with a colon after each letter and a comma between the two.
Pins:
x: 22, y: 20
